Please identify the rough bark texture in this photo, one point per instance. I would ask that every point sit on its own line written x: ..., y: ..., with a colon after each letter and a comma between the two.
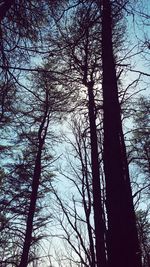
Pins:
x: 123, y: 245
x: 97, y: 205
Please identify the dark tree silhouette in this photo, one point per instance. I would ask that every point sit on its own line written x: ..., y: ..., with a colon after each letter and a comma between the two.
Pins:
x: 83, y: 57
x: 122, y: 238
x: 49, y: 103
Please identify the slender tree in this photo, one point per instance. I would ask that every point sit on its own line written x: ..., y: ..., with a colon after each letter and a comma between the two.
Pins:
x: 83, y: 61
x: 75, y: 215
x: 14, y: 205
x: 49, y: 101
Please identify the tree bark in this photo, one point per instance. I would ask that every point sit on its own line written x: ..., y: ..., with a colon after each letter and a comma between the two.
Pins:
x: 122, y: 240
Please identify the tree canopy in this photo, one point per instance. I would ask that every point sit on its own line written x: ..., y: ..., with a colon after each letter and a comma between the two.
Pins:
x: 74, y: 117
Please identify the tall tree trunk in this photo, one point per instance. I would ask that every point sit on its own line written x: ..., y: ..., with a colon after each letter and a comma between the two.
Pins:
x: 97, y: 201
x: 35, y: 185
x: 123, y: 245
x: 32, y: 207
